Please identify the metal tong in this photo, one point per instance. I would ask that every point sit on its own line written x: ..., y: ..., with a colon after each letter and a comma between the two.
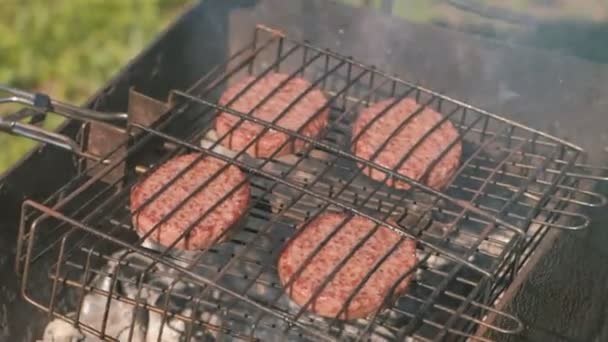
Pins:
x: 37, y: 106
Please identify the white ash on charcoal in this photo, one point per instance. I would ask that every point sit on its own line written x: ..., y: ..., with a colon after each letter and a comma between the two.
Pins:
x: 171, y: 296
x: 178, y: 298
x: 125, y: 321
x: 175, y: 330
x: 59, y: 330
x: 121, y: 317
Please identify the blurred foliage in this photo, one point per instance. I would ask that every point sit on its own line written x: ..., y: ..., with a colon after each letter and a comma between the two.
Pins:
x: 69, y: 48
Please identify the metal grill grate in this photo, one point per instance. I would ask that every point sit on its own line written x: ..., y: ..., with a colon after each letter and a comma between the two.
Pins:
x: 512, y: 185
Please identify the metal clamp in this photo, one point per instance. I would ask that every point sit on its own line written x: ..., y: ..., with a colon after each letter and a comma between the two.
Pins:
x: 38, y: 105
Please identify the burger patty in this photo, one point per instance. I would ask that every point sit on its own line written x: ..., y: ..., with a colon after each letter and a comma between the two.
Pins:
x: 333, y: 297
x: 226, y: 212
x: 414, y: 136
x: 295, y: 118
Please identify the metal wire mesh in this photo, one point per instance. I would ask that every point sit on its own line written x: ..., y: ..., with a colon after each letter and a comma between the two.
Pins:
x: 512, y: 185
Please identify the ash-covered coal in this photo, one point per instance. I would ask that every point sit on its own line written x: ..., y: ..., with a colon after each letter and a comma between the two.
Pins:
x: 139, y: 284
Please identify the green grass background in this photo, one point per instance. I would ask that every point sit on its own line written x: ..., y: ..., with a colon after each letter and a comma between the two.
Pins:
x: 69, y: 48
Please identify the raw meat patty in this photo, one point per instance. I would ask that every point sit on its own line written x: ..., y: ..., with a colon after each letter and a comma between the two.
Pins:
x: 296, y: 116
x: 424, y: 153
x: 335, y: 294
x: 223, y: 216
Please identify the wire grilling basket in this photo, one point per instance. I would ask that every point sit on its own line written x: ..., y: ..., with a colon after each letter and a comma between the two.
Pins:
x: 512, y: 184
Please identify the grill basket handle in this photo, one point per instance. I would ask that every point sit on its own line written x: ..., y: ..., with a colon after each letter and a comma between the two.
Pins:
x: 39, y: 134
x: 38, y: 105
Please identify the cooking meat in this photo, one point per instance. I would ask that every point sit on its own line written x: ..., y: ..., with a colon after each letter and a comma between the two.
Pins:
x: 414, y: 136
x: 335, y: 294
x: 226, y: 207
x: 298, y: 113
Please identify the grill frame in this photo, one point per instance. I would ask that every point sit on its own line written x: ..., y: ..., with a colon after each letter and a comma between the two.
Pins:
x: 150, y: 131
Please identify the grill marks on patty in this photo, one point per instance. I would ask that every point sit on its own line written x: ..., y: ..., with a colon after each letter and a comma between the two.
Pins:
x: 423, y: 139
x: 286, y: 97
x: 228, y: 205
x: 335, y: 294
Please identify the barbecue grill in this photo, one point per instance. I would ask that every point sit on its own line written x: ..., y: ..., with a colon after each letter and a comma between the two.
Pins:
x: 514, y: 185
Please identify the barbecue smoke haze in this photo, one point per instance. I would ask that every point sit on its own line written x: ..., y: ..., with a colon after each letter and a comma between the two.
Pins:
x: 414, y: 52
x: 540, y: 76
